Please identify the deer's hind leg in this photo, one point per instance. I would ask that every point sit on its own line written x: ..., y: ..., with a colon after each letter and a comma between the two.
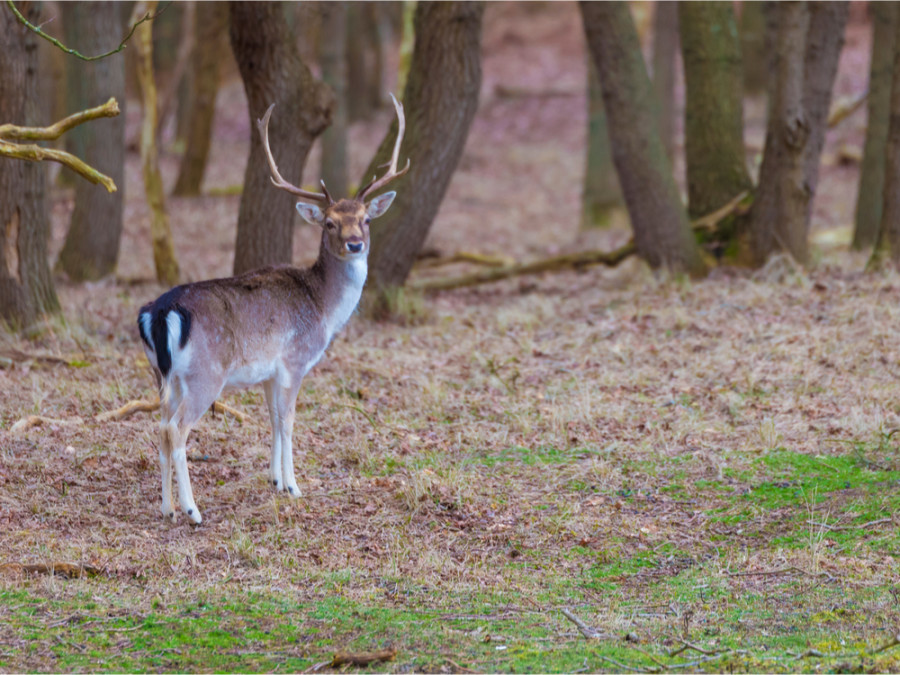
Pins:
x: 275, y: 464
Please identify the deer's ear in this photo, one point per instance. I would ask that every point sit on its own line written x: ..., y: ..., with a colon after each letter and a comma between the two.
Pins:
x: 380, y: 204
x: 311, y: 213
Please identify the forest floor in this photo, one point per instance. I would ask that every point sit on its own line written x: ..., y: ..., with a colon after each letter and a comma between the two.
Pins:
x: 705, y: 474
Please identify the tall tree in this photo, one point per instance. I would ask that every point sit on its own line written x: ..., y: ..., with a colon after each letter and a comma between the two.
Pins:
x: 273, y: 73
x: 871, y: 177
x: 662, y: 233
x: 440, y: 98
x: 333, y: 59
x: 601, y: 194
x: 754, y: 52
x: 714, y: 111
x: 665, y: 57
x: 91, y: 248
x: 809, y: 40
x: 887, y: 247
x: 26, y: 286
x: 209, y: 27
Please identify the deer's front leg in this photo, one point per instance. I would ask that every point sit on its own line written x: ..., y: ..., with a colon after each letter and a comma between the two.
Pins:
x: 275, y: 475
x: 166, y: 466
x: 286, y: 401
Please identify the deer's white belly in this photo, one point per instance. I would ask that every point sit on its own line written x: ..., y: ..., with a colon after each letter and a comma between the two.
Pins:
x: 251, y: 373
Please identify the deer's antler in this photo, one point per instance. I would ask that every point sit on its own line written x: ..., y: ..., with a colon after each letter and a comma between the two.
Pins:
x: 277, y: 180
x: 392, y: 173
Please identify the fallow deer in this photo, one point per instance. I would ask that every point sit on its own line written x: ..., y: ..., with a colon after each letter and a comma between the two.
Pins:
x: 269, y: 326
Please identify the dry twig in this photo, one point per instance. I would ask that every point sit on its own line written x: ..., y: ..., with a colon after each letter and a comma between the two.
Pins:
x: 362, y: 658
x: 585, y: 630
x: 66, y: 570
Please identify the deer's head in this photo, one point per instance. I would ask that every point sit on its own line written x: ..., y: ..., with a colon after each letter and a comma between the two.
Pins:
x: 345, y: 222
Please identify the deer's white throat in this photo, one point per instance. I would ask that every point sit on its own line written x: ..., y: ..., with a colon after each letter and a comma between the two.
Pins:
x: 355, y: 271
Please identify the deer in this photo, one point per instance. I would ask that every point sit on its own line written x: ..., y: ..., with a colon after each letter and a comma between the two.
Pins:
x: 269, y: 326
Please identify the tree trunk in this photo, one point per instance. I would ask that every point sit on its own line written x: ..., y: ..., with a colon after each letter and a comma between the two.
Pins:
x: 333, y: 58
x: 26, y: 287
x: 357, y: 75
x: 714, y: 111
x: 601, y: 194
x: 273, y: 73
x: 824, y: 42
x: 164, y: 259
x: 888, y: 244
x: 375, y: 38
x: 440, y: 99
x: 665, y: 56
x: 661, y: 230
x: 755, y: 56
x: 777, y: 220
x: 211, y: 21
x: 871, y: 179
x: 91, y: 248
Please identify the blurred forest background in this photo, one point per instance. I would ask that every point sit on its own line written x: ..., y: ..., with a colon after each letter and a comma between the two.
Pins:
x: 714, y: 158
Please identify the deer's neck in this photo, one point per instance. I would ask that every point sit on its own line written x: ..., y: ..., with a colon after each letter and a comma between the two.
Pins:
x: 341, y: 287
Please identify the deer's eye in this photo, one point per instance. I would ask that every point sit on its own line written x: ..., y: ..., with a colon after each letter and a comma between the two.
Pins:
x: 367, y: 220
x: 330, y: 224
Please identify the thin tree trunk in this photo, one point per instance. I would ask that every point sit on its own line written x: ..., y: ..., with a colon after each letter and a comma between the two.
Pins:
x: 440, y: 99
x: 714, y: 111
x: 160, y: 233
x: 601, y: 194
x: 824, y: 42
x: 212, y: 20
x: 665, y: 57
x: 777, y: 220
x: 888, y: 245
x: 26, y: 286
x: 357, y: 74
x: 375, y: 38
x: 273, y: 73
x: 91, y: 248
x: 661, y: 230
x: 334, y: 73
x: 871, y: 178
x: 755, y: 57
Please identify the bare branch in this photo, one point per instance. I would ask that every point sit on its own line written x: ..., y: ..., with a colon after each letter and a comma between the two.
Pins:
x: 35, y: 153
x: 73, y: 52
x: 12, y: 132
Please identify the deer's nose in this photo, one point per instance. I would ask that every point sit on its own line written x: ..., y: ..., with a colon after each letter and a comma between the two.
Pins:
x: 354, y: 246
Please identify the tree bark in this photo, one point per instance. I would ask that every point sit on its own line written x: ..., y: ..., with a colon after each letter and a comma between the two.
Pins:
x: 26, y: 286
x: 888, y: 245
x: 714, y: 111
x: 661, y: 231
x: 824, y: 43
x: 871, y: 178
x: 755, y: 56
x: 91, y: 249
x: 777, y: 221
x: 164, y: 259
x: 333, y: 58
x: 440, y: 99
x: 210, y: 25
x: 665, y: 57
x: 273, y: 73
x: 357, y: 73
x: 601, y: 194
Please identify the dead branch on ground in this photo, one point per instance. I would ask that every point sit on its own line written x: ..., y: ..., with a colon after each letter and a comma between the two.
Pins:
x: 66, y: 570
x: 583, y: 628
x: 574, y: 261
x: 32, y: 421
x: 362, y: 658
x: 9, y: 133
x: 467, y: 256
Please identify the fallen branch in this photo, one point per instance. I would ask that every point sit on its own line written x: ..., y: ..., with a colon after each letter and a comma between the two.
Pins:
x: 362, y: 658
x: 888, y: 645
x: 573, y: 260
x: 469, y: 257
x: 19, y: 356
x: 38, y: 420
x: 583, y: 628
x: 862, y: 526
x: 143, y: 405
x: 66, y: 570
x: 844, y: 107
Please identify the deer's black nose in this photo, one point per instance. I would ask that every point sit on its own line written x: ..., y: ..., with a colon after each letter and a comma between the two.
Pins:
x: 354, y: 246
